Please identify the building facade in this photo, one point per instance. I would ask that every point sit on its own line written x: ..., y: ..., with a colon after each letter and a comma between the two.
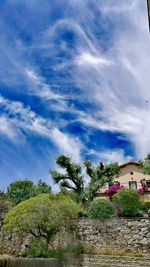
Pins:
x: 131, y: 176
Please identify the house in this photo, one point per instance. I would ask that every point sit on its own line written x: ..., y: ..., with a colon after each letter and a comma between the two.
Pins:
x: 131, y: 176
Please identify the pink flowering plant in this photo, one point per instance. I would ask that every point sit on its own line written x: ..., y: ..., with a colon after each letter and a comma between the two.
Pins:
x: 142, y: 188
x: 113, y: 189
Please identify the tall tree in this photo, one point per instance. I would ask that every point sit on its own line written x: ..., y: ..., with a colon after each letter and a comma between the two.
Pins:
x: 99, y: 176
x: 72, y: 178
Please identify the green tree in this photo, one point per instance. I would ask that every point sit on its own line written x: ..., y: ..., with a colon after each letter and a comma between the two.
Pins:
x: 24, y: 189
x: 145, y: 165
x: 128, y: 200
x: 20, y: 190
x: 42, y: 216
x: 72, y: 178
x: 43, y: 187
x: 99, y: 176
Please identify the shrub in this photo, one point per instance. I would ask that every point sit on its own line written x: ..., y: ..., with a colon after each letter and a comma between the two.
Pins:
x: 145, y: 205
x: 38, y: 249
x: 128, y: 201
x: 101, y: 209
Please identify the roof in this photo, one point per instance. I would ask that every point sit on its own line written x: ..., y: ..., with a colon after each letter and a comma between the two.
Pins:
x: 128, y: 163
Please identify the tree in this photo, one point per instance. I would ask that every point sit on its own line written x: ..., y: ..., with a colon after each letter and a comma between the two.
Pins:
x: 145, y: 165
x: 41, y: 216
x: 99, y: 176
x: 72, y: 178
x: 43, y: 187
x: 24, y: 189
x: 20, y: 190
x: 128, y: 201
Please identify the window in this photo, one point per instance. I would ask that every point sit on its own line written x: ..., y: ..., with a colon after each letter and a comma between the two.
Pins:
x: 148, y: 184
x: 116, y: 182
x: 131, y: 173
x: 133, y: 185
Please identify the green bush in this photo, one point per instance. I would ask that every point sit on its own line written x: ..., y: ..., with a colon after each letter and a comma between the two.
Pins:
x: 128, y: 200
x: 101, y: 209
x: 145, y: 205
x: 38, y: 249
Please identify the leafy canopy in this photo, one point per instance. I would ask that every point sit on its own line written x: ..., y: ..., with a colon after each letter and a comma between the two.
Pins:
x: 145, y: 165
x: 41, y: 216
x: 24, y: 189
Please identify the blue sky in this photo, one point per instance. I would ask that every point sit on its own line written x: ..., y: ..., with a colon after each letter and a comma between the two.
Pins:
x: 74, y: 77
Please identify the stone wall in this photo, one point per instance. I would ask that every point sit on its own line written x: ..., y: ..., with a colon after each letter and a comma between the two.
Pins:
x: 117, y: 235
x: 113, y: 236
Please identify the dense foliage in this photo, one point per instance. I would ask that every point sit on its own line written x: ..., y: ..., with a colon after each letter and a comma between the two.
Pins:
x: 146, y: 206
x: 145, y: 165
x: 101, y: 209
x: 24, y: 189
x: 128, y: 200
x: 42, y: 216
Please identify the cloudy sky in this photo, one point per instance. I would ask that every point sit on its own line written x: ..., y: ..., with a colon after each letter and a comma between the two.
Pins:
x: 74, y: 79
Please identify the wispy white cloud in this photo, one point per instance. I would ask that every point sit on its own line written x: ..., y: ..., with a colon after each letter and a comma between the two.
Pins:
x: 88, y: 59
x: 119, y: 90
x: 19, y: 118
x: 68, y: 145
x: 41, y: 88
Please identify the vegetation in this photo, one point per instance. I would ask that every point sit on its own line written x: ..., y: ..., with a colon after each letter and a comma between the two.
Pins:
x: 24, y: 189
x: 73, y: 178
x: 42, y: 216
x: 99, y: 176
x: 38, y: 249
x: 101, y: 209
x: 27, y: 208
x: 146, y: 206
x: 113, y: 189
x: 128, y: 201
x: 5, y: 205
x: 145, y: 165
